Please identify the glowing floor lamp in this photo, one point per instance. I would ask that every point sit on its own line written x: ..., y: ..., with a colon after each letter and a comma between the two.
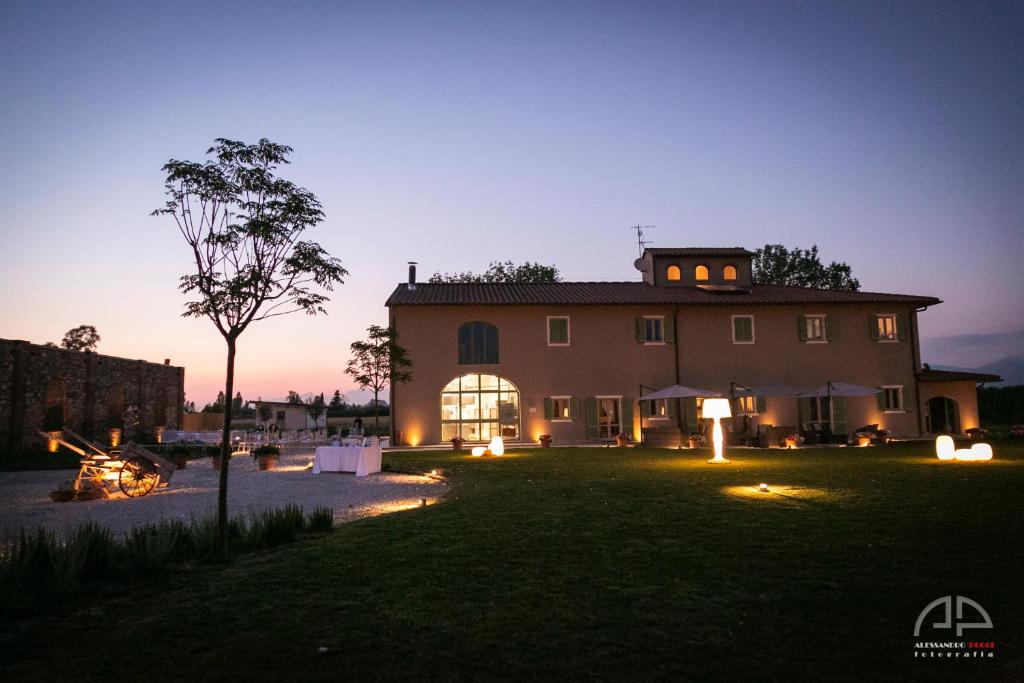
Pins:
x: 716, y: 409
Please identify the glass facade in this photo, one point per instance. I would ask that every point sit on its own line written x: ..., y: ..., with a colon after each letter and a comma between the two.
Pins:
x: 479, y: 407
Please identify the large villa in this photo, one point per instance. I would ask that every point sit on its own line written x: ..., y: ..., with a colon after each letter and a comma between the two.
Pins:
x: 571, y: 359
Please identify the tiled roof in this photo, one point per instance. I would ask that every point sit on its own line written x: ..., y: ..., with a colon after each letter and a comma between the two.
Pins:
x: 699, y: 251
x: 930, y: 375
x: 626, y: 293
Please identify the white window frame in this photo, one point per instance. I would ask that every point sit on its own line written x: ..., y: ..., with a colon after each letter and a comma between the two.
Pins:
x: 568, y: 406
x: 656, y: 342
x: 899, y: 392
x: 895, y: 330
x: 568, y: 330
x: 753, y: 336
x: 654, y: 413
x: 824, y: 328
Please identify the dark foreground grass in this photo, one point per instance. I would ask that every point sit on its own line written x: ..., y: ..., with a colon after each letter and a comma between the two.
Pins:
x: 592, y: 564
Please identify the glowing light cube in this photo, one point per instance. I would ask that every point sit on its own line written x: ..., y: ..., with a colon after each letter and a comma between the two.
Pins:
x: 981, y: 451
x: 478, y: 451
x: 944, y: 447
x: 497, y: 446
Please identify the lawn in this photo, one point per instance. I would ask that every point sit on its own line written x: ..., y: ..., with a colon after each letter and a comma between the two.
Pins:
x: 591, y: 563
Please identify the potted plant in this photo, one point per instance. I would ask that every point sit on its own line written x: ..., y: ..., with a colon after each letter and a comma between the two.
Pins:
x: 545, y: 440
x: 179, y: 456
x: 864, y: 438
x: 695, y: 440
x: 621, y: 440
x: 794, y: 440
x: 266, y: 456
x: 457, y: 442
x: 214, y: 453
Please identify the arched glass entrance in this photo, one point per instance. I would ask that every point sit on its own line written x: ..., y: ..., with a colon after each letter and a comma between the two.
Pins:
x: 943, y: 416
x: 479, y: 407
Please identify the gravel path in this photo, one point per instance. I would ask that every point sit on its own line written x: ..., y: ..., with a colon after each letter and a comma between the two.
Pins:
x: 192, y: 493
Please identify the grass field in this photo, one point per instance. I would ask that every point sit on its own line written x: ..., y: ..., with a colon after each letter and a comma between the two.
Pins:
x: 596, y: 564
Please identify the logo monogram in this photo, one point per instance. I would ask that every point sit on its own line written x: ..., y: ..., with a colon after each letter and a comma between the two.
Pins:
x: 947, y: 622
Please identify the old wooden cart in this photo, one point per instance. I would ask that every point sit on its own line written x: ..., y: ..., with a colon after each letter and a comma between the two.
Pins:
x: 131, y: 469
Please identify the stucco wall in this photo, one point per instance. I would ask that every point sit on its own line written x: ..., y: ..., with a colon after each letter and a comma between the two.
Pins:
x: 604, y: 358
x: 965, y: 393
x: 94, y: 390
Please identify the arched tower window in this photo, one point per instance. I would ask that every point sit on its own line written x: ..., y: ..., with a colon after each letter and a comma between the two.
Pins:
x: 478, y: 344
x: 701, y: 273
x: 674, y: 274
x: 729, y: 273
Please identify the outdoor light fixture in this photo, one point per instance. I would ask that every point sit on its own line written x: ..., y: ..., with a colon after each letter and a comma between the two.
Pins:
x: 982, y: 451
x: 763, y: 488
x: 716, y: 409
x: 497, y: 446
x: 976, y: 453
x: 478, y: 451
x: 945, y: 448
x: 423, y: 502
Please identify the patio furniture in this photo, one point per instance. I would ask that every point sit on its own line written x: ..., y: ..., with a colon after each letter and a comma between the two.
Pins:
x: 361, y: 460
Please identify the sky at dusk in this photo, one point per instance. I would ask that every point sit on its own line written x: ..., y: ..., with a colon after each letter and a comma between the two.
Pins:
x: 455, y: 134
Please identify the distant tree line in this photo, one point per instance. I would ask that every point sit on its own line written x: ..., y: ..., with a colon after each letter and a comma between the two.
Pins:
x: 1001, y: 406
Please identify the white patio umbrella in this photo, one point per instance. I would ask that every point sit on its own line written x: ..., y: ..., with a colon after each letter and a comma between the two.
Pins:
x: 679, y: 391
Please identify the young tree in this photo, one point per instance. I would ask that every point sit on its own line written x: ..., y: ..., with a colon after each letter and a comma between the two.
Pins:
x: 81, y: 338
x: 337, y: 405
x: 504, y: 271
x: 315, y: 408
x: 244, y: 226
x: 377, y: 362
x: 265, y: 412
x: 294, y: 398
x: 773, y: 264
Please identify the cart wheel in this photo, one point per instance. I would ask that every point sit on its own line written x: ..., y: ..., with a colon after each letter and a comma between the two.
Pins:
x: 138, y: 477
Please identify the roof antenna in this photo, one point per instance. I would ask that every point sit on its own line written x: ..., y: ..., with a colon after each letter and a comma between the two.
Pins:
x: 641, y: 243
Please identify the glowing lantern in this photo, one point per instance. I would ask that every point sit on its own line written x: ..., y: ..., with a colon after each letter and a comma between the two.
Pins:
x: 716, y: 409
x: 944, y: 447
x: 763, y: 488
x: 964, y: 454
x: 497, y: 446
x: 478, y: 451
x: 981, y: 451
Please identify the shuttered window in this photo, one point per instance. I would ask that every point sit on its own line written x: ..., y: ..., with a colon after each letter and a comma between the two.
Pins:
x: 743, y: 329
x: 558, y: 330
x: 478, y: 344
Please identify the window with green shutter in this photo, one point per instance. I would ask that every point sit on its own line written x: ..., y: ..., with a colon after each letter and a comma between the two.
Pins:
x: 561, y: 408
x: 814, y: 328
x: 892, y: 399
x: 653, y: 329
x: 885, y: 327
x: 558, y: 330
x: 743, y: 329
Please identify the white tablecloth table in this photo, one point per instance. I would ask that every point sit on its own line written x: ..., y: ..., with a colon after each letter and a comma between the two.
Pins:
x: 361, y: 460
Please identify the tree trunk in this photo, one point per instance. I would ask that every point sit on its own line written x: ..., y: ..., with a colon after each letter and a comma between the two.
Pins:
x: 376, y: 412
x: 225, y: 457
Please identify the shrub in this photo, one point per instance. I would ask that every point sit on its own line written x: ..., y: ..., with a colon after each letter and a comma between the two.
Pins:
x: 148, y: 548
x: 321, y: 519
x: 279, y: 526
x: 212, y: 450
